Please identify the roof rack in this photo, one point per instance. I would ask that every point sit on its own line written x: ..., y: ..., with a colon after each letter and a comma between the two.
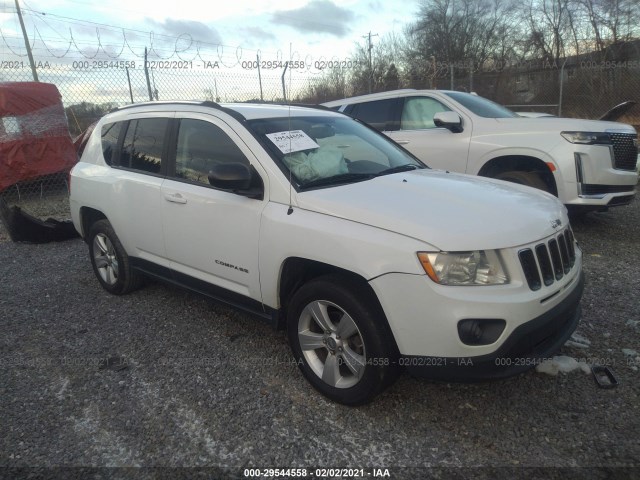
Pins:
x: 208, y: 103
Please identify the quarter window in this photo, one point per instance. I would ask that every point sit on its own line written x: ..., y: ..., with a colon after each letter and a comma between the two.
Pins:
x: 110, y: 134
x: 201, y: 145
x: 142, y: 149
x: 418, y: 113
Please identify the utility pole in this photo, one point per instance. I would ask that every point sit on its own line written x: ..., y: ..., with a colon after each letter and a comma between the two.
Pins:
x: 369, y: 48
x: 146, y: 74
x: 26, y: 44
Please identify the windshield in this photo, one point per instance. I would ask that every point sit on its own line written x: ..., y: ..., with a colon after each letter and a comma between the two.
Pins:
x: 481, y: 106
x: 323, y: 151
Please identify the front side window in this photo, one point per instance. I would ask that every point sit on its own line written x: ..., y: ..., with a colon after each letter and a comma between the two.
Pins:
x: 324, y: 151
x: 418, y: 112
x: 143, y: 143
x: 201, y: 145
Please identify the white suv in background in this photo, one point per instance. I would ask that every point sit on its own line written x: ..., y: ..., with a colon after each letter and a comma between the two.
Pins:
x: 589, y: 165
x: 317, y: 223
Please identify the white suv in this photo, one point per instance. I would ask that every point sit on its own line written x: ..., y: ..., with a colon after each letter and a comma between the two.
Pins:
x: 318, y: 223
x: 589, y: 165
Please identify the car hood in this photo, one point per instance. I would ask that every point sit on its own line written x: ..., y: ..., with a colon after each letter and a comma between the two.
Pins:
x: 618, y: 111
x: 555, y: 124
x: 452, y: 212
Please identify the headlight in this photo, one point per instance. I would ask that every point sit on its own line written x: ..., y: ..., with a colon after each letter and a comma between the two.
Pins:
x: 464, y: 268
x: 587, y: 138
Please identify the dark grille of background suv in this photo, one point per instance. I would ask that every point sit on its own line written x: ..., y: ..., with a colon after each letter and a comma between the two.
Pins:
x: 548, y: 262
x: 624, y: 151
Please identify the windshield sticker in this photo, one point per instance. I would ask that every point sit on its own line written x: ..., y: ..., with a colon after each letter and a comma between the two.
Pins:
x: 292, y: 141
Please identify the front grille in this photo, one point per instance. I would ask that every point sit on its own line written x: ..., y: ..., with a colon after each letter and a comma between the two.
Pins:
x: 547, y: 263
x: 625, y: 150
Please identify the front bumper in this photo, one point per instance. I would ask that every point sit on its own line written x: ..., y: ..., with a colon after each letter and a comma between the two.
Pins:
x: 528, y: 345
x: 595, y: 180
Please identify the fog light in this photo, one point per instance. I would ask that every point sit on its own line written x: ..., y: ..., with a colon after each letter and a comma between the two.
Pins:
x: 480, y: 331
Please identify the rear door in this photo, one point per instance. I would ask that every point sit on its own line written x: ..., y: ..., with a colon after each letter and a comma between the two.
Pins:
x: 139, y: 161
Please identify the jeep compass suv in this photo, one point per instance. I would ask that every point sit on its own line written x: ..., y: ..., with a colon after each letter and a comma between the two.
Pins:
x: 317, y: 223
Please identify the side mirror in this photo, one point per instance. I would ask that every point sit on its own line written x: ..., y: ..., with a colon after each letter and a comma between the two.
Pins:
x: 237, y: 178
x: 449, y: 120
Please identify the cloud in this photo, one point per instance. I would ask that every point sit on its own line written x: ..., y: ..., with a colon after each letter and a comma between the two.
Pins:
x: 318, y: 16
x: 197, y: 30
x: 257, y: 33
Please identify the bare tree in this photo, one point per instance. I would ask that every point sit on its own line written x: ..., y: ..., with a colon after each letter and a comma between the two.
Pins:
x: 386, y: 65
x: 550, y: 26
x: 332, y: 85
x: 464, y: 33
x: 611, y: 21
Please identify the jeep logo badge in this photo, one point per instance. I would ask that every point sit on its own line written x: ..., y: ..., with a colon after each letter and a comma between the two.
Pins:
x: 556, y: 223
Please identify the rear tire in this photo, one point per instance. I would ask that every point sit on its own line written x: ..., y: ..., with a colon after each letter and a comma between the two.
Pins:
x: 530, y: 179
x: 340, y: 340
x: 110, y: 260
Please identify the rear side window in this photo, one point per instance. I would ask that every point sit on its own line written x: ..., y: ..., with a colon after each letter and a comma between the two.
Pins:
x: 143, y: 144
x: 377, y: 114
x: 201, y: 145
x: 110, y: 134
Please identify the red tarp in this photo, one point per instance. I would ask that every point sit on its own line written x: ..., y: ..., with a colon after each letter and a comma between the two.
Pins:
x: 34, y: 136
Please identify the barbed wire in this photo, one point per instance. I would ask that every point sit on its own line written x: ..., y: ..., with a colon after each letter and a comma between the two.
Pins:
x: 184, y: 46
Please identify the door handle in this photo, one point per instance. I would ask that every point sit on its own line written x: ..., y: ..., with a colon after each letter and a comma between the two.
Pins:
x: 175, y: 198
x: 402, y: 142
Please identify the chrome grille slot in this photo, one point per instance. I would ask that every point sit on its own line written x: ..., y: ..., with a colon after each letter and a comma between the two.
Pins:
x: 555, y: 258
x: 528, y: 262
x: 572, y: 248
x: 545, y: 264
x: 564, y: 253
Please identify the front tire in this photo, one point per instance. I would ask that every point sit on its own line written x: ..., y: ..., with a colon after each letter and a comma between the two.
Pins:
x: 340, y: 340
x: 530, y: 179
x: 110, y: 260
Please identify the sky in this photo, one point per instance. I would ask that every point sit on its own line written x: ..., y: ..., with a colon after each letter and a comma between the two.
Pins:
x: 229, y: 31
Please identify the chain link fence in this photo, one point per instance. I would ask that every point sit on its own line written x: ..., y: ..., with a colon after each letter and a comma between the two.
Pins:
x: 585, y: 86
x: 90, y: 89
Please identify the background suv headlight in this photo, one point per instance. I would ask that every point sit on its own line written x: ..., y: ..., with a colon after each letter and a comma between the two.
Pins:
x: 479, y: 267
x: 587, y: 138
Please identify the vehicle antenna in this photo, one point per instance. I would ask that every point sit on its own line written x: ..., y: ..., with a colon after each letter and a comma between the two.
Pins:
x: 290, y: 210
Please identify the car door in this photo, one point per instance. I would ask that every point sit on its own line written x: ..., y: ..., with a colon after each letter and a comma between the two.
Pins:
x: 438, y: 147
x: 141, y: 165
x: 211, y: 235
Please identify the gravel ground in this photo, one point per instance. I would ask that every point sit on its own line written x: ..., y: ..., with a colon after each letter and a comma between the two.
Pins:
x: 163, y: 378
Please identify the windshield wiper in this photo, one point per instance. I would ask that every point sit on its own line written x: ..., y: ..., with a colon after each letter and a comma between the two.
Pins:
x: 400, y: 168
x: 337, y: 180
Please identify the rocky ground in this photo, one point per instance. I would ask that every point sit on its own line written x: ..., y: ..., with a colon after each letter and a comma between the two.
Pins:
x: 163, y: 378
